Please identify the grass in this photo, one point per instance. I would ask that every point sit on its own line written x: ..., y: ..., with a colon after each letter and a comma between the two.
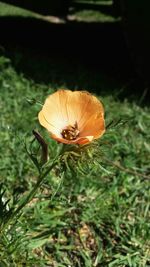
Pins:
x: 94, y: 11
x: 92, y: 16
x: 92, y: 213
x: 98, y: 217
x: 77, y: 15
x: 10, y: 10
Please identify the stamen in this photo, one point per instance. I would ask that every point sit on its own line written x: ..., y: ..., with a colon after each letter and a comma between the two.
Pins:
x: 70, y: 132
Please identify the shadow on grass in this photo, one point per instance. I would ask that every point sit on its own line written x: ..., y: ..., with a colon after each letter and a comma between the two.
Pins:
x: 78, y: 55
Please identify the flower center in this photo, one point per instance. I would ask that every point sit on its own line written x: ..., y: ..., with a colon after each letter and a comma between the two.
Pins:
x: 70, y: 132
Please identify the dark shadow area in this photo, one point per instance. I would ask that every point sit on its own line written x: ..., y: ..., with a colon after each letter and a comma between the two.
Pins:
x: 89, y: 56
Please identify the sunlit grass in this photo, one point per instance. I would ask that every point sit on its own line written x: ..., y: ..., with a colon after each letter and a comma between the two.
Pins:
x: 97, y: 216
x: 11, y: 10
x: 84, y: 15
x: 93, y: 16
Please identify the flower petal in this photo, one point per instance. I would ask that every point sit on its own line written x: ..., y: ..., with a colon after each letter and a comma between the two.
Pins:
x: 85, y: 140
x: 50, y: 127
x: 80, y: 105
x: 93, y: 107
x: 80, y: 140
x: 95, y: 126
x: 54, y: 108
x: 76, y: 105
x: 66, y: 108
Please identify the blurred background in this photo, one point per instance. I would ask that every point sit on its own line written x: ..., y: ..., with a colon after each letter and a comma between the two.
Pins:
x: 107, y: 39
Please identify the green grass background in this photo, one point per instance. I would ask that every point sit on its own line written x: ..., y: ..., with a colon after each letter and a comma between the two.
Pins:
x: 97, y: 216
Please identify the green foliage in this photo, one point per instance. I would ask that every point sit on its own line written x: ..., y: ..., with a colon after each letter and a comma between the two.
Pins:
x: 92, y: 209
x: 12, y: 10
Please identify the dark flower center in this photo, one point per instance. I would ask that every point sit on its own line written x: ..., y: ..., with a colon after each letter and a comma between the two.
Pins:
x: 70, y: 132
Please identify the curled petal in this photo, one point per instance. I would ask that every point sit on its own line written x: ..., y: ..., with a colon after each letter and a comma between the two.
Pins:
x: 81, y: 140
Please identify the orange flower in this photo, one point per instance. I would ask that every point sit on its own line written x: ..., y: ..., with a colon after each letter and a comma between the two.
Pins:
x: 73, y: 117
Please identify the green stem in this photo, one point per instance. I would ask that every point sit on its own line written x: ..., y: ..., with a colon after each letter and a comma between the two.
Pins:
x: 16, y: 213
x: 34, y: 190
x: 31, y: 194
